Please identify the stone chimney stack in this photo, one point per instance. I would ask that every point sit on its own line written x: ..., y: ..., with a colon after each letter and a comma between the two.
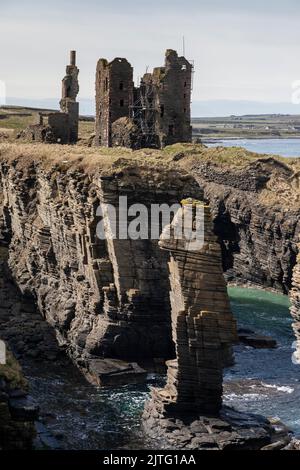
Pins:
x: 73, y: 58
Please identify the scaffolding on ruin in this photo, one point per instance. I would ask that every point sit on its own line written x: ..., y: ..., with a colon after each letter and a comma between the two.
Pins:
x: 143, y: 112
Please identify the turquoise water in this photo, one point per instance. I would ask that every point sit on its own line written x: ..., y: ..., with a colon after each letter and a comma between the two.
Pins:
x: 283, y: 147
x: 265, y: 381
x: 262, y: 381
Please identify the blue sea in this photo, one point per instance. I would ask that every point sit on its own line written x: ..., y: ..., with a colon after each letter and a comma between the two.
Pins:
x: 262, y: 381
x: 282, y: 147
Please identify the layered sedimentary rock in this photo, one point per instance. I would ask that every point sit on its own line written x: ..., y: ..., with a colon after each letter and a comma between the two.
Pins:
x: 23, y: 329
x: 295, y: 305
x: 202, y: 323
x: 256, y: 210
x: 105, y: 298
x: 110, y: 299
x: 188, y: 412
x: 60, y: 127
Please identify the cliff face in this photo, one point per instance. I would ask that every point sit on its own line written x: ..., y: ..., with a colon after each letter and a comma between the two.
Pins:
x: 17, y: 430
x: 295, y: 307
x: 256, y: 210
x: 111, y: 298
x: 104, y: 299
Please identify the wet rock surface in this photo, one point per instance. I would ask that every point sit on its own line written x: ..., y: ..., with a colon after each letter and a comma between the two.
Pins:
x: 255, y: 340
x: 17, y: 412
x: 232, y: 430
x: 110, y: 300
x: 25, y: 331
x: 110, y: 372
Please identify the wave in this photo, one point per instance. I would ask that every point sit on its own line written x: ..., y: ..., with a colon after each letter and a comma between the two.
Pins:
x: 245, y: 396
x: 279, y: 388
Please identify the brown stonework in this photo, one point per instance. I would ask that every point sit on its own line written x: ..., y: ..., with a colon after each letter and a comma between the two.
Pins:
x: 62, y: 127
x: 159, y: 109
x: 114, y: 94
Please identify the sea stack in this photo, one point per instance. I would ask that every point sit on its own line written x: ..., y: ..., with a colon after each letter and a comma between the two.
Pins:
x: 203, y: 327
x: 188, y: 411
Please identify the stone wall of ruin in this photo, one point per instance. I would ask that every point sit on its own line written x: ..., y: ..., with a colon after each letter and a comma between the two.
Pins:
x: 114, y: 95
x: 160, y: 108
x: 172, y: 88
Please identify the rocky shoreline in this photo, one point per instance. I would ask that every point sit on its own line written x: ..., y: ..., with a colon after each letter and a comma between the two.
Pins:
x: 232, y: 430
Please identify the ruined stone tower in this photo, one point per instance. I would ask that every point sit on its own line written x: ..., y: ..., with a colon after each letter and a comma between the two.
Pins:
x: 59, y: 127
x: 165, y: 95
x: 114, y: 96
x: 155, y: 114
x: 68, y: 103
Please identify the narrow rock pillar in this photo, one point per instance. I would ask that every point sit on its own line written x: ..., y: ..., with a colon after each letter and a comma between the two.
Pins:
x: 295, y: 305
x: 202, y: 323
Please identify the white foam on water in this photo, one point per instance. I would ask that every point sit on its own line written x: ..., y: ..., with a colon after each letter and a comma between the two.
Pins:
x: 282, y: 388
x: 245, y: 396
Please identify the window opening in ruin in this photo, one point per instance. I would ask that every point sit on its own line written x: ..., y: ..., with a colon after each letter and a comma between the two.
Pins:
x: 106, y: 84
x: 121, y: 103
x: 121, y: 86
x: 185, y: 84
x: 162, y: 111
x: 183, y: 67
x: 171, y: 129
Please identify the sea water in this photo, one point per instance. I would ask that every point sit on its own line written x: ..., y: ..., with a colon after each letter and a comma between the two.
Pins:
x: 262, y: 381
x: 282, y: 147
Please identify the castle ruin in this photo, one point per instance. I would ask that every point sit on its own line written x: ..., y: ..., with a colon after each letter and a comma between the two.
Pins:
x: 60, y: 127
x: 155, y: 114
x: 68, y: 103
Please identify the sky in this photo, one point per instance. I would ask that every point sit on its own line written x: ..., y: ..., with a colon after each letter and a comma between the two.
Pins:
x: 243, y: 51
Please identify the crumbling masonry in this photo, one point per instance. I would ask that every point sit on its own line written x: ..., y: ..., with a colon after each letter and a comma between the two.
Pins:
x: 155, y: 114
x: 61, y: 127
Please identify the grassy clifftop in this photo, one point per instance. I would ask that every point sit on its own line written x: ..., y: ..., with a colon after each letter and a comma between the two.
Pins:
x: 283, y: 186
x: 230, y: 157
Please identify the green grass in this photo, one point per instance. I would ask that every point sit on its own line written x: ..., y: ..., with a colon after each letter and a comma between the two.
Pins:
x: 256, y: 126
x: 11, y: 119
x: 12, y: 372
